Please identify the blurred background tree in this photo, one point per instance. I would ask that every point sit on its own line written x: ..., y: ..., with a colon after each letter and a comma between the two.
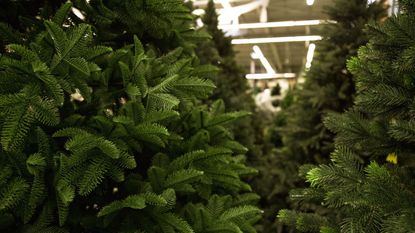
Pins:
x: 369, y: 182
x: 232, y: 86
x: 328, y: 87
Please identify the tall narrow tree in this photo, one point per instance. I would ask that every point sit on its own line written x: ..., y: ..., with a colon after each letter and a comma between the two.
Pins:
x: 370, y: 180
x: 328, y: 88
x: 231, y: 84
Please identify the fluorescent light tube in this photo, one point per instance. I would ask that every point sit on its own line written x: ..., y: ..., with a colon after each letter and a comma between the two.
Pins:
x: 270, y: 76
x: 225, y: 4
x: 78, y: 13
x: 272, y: 24
x: 310, y: 55
x: 276, y: 39
x: 198, y: 12
x: 263, y: 60
x: 310, y: 2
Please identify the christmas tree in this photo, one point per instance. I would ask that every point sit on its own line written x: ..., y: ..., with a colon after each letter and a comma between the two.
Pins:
x: 231, y: 84
x: 328, y: 87
x: 102, y: 127
x: 370, y: 180
x: 269, y: 169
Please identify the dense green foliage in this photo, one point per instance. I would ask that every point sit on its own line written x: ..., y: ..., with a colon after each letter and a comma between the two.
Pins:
x: 270, y: 169
x: 102, y: 127
x: 328, y: 87
x: 370, y: 180
x: 233, y: 89
x: 231, y: 84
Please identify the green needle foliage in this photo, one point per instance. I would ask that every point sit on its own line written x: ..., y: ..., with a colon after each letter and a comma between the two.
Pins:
x: 231, y: 84
x: 102, y: 127
x: 370, y: 179
x: 328, y: 87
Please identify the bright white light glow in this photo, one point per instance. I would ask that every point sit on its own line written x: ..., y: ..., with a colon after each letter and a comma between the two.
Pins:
x: 310, y: 55
x: 225, y: 4
x: 272, y: 24
x: 198, y: 12
x: 199, y: 23
x: 276, y: 39
x: 263, y: 59
x: 203, y: 2
x: 310, y: 2
x: 270, y: 76
x: 254, y: 56
x: 232, y: 13
x: 78, y: 13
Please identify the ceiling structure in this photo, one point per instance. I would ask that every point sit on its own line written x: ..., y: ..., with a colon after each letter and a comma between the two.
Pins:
x: 264, y: 19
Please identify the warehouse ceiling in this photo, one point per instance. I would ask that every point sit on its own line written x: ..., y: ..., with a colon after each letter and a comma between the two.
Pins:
x: 283, y: 57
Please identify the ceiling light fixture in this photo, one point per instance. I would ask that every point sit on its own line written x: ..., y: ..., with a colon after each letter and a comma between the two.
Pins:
x: 310, y: 55
x: 259, y: 55
x: 78, y: 13
x: 198, y: 12
x: 270, y: 76
x: 310, y: 2
x: 272, y: 24
x: 205, y: 2
x: 225, y: 4
x: 275, y: 39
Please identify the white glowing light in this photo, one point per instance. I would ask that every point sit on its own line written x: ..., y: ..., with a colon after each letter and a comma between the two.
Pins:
x: 310, y: 2
x: 276, y: 39
x: 198, y: 12
x: 254, y: 56
x: 270, y: 76
x: 225, y: 4
x: 78, y: 13
x: 77, y: 96
x: 199, y: 23
x: 273, y: 24
x: 263, y: 59
x: 310, y: 55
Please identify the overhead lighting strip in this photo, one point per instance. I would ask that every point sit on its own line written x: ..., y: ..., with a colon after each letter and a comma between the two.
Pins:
x: 270, y: 76
x: 310, y: 55
x: 275, y: 39
x: 259, y: 55
x: 274, y: 24
x: 78, y: 13
x: 310, y: 2
x: 203, y: 2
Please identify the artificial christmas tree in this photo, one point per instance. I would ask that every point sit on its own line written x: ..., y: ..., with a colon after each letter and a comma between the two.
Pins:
x: 370, y: 181
x: 233, y: 89
x: 102, y: 127
x: 269, y: 169
x: 328, y: 87
x: 231, y: 83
